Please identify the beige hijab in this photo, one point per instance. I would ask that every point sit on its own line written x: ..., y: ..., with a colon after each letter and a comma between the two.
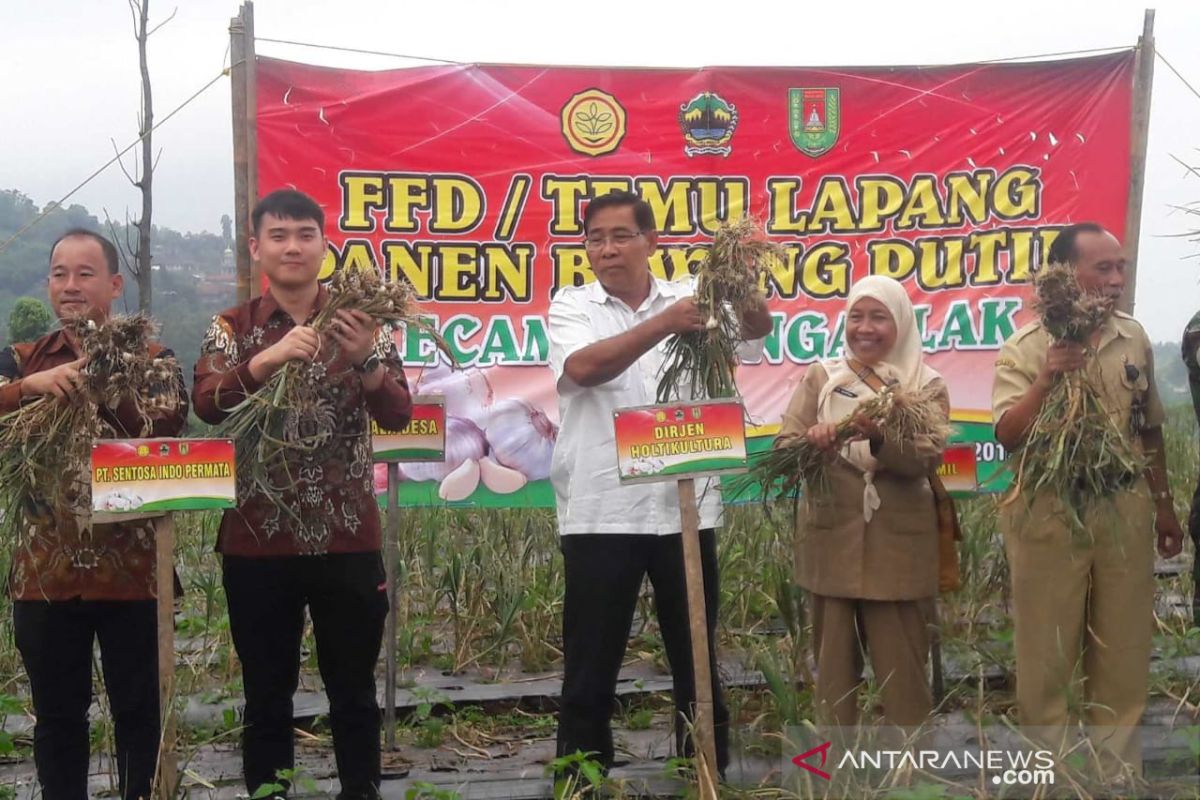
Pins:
x: 845, y: 390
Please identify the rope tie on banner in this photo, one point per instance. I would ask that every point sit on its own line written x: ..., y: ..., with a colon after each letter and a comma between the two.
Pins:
x: 356, y: 50
x: 432, y: 59
x: 51, y: 208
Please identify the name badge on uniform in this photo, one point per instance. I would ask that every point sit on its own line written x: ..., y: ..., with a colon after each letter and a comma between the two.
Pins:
x: 1137, y: 407
x: 844, y: 392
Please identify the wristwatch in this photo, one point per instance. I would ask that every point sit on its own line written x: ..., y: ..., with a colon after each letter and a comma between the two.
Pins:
x: 369, y: 365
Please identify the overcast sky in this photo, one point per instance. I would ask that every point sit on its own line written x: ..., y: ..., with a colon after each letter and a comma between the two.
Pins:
x: 71, y: 81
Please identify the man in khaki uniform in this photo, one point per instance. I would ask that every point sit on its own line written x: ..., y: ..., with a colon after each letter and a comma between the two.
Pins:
x: 1086, y: 603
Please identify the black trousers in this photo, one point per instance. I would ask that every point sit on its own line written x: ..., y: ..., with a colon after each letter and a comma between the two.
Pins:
x: 604, y: 576
x: 346, y: 598
x: 55, y: 640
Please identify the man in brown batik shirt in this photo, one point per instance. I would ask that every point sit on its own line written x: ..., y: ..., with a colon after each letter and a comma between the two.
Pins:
x: 322, y: 548
x: 72, y: 582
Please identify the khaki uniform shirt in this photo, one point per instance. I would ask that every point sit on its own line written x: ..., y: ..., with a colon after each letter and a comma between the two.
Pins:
x: 1122, y: 371
x: 839, y: 553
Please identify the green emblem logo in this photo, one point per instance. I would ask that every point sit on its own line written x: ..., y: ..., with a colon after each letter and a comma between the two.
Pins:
x: 814, y: 119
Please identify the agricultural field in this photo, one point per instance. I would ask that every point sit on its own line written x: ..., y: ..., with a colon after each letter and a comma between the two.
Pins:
x: 478, y: 650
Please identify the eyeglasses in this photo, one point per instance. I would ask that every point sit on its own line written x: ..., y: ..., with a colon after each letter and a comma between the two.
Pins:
x: 619, y: 239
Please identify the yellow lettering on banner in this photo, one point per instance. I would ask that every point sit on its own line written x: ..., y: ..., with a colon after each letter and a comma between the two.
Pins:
x: 783, y: 218
x: 565, y: 195
x: 1016, y: 194
x: 417, y: 269
x: 942, y: 264
x: 601, y: 186
x: 361, y: 193
x: 406, y: 194
x: 831, y: 209
x: 924, y: 208
x: 821, y: 271
x: 457, y: 278
x: 672, y: 211
x: 986, y: 246
x: 458, y: 205
x: 720, y: 200
x: 880, y: 197
x: 1020, y: 260
x: 468, y: 271
x: 509, y: 273
x: 355, y: 254
x: 893, y: 258
x: 571, y: 267
x: 967, y: 194
x: 827, y: 270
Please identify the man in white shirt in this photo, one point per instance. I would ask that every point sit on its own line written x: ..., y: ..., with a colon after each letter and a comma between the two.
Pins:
x: 606, y: 348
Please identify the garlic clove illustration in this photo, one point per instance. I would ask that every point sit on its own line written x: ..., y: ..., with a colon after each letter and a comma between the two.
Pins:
x: 500, y: 479
x: 461, y: 482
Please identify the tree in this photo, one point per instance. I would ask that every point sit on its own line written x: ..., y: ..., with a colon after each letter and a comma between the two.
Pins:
x: 29, y: 320
x: 136, y: 249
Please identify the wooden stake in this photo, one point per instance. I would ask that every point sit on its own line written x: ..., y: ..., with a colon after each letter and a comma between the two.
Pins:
x: 703, y: 732
x: 251, y: 73
x: 241, y: 153
x: 168, y: 770
x: 1143, y: 80
x: 245, y: 146
x: 391, y: 539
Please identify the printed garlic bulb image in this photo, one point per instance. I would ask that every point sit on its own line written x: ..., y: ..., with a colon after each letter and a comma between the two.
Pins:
x: 521, y: 438
x: 464, y: 442
x: 467, y: 391
x: 121, y: 500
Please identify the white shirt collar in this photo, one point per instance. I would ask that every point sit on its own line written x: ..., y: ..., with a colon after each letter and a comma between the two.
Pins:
x: 598, y: 295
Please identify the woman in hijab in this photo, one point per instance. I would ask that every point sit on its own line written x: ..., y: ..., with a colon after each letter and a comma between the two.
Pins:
x: 867, y: 546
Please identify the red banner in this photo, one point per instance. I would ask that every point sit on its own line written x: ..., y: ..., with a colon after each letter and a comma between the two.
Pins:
x: 470, y: 181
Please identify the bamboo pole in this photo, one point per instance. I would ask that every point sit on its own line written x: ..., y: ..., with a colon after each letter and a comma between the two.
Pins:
x: 703, y: 732
x: 251, y: 122
x: 168, y: 769
x: 241, y: 195
x: 1143, y: 80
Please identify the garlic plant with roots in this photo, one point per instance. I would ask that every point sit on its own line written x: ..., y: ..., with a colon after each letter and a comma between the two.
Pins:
x: 521, y: 438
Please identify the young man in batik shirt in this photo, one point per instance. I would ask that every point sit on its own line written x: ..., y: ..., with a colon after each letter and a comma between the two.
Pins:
x: 320, y: 548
